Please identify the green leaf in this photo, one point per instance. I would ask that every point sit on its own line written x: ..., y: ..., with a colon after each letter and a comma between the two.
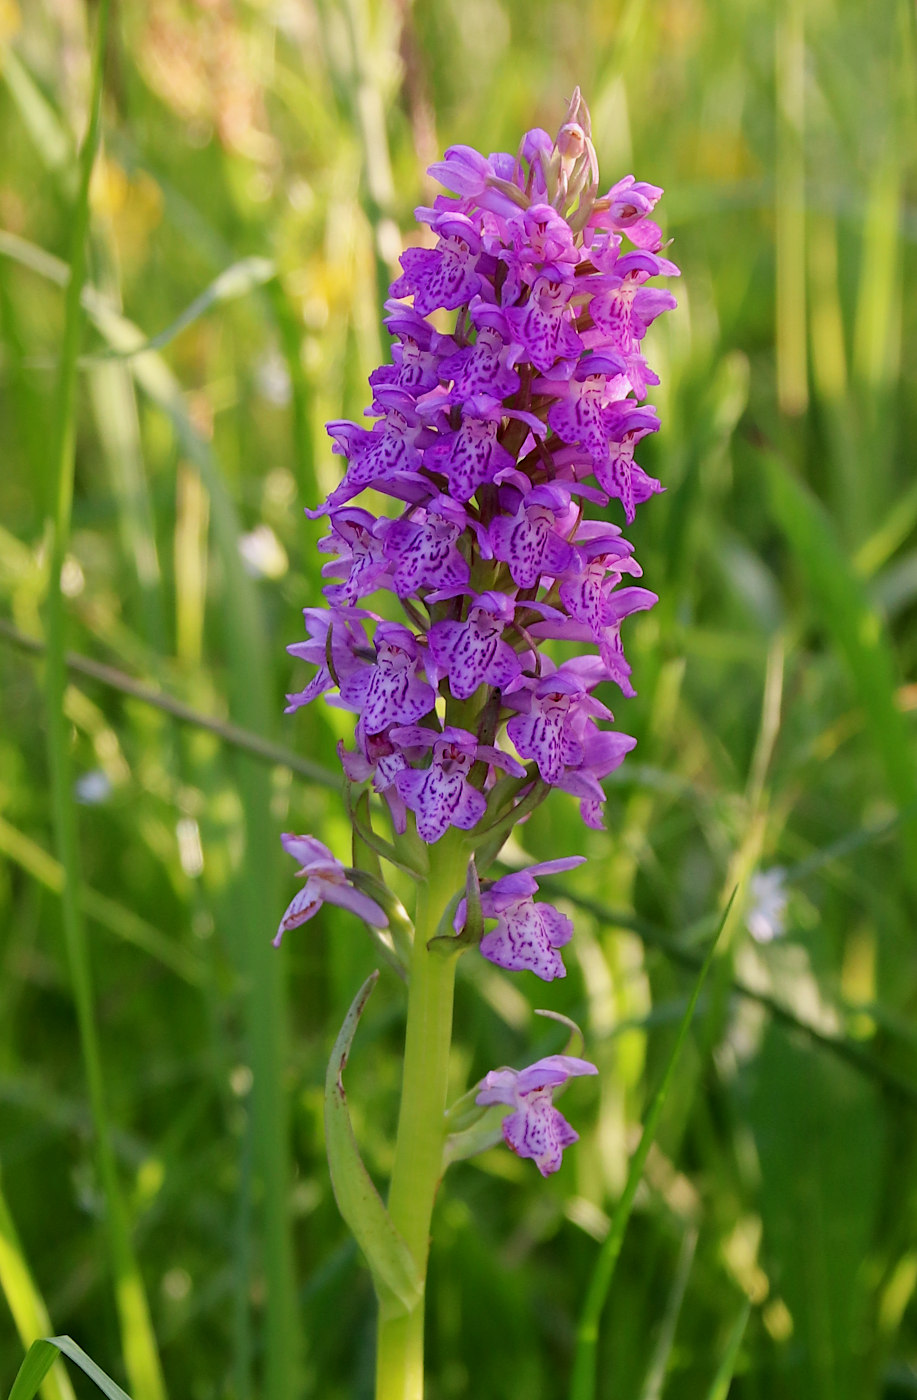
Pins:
x: 42, y: 1355
x: 399, y: 1286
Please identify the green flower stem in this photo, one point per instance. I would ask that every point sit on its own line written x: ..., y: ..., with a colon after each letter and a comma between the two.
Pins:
x: 421, y: 1124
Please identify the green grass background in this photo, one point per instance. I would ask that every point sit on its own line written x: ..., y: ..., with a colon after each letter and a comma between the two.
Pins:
x: 258, y: 164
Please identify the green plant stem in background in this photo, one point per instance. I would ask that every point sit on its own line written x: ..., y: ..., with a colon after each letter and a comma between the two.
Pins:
x: 587, y: 1338
x: 421, y: 1127
x: 140, y: 1355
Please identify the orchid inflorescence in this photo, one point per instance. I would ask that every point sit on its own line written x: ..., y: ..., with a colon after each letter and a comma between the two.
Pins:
x: 497, y: 430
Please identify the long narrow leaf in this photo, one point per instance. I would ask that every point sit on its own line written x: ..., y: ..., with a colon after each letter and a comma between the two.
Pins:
x: 26, y: 1303
x: 723, y: 1378
x: 41, y: 1357
x: 390, y: 1261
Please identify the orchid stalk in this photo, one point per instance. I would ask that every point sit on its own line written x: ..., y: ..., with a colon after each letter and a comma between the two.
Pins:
x: 496, y: 448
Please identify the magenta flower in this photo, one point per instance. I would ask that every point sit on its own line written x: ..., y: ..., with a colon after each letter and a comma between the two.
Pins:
x: 327, y: 882
x: 444, y: 276
x: 527, y: 935
x: 441, y: 796
x: 544, y: 324
x: 535, y: 1128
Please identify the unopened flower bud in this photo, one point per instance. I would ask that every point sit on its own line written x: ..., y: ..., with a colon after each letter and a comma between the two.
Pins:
x: 571, y: 141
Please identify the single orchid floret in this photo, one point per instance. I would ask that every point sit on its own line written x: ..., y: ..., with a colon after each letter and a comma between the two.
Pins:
x: 532, y: 542
x: 390, y: 691
x: 422, y: 549
x: 379, y: 760
x: 391, y: 446
x: 601, y: 564
x: 327, y: 882
x: 626, y: 423
x: 550, y: 728
x: 541, y: 238
x: 473, y: 652
x: 626, y: 208
x: 415, y: 359
x: 604, y: 750
x: 535, y: 1128
x: 441, y: 796
x: 472, y: 455
x: 335, y: 638
x: 527, y: 935
x: 484, y: 368
x: 354, y: 541
x: 544, y: 324
x: 444, y: 276
x: 580, y: 416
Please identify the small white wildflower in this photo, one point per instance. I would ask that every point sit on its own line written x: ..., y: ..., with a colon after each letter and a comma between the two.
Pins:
x: 92, y: 788
x: 262, y: 553
x: 766, y: 916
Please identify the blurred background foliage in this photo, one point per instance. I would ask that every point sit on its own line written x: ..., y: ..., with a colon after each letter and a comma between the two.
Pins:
x: 258, y: 169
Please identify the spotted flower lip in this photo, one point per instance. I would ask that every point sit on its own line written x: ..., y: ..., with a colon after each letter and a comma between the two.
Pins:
x: 535, y: 1128
x: 527, y: 935
x: 327, y: 882
x: 441, y: 796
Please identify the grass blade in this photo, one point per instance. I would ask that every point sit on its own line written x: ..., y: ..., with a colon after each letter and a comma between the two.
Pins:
x: 26, y: 1304
x: 41, y: 1357
x: 140, y: 1353
x: 723, y: 1378
x: 584, y: 1363
x: 655, y: 1376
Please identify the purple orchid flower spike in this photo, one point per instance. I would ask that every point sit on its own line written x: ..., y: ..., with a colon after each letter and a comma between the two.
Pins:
x: 501, y: 434
x: 535, y: 1128
x: 391, y: 691
x: 527, y: 935
x: 444, y: 276
x: 441, y: 796
x: 473, y: 652
x: 327, y: 882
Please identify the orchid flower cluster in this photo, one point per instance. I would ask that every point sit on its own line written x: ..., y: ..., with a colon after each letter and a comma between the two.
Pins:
x: 467, y: 533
